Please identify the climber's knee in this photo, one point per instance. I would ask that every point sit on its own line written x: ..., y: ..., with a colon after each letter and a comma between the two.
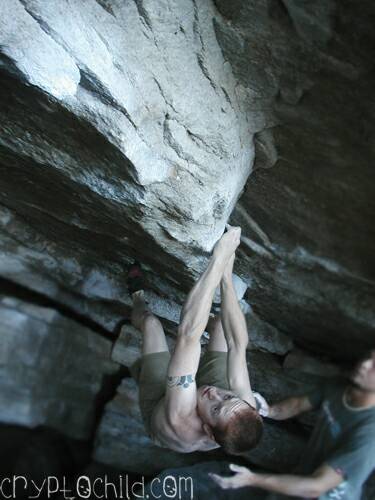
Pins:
x: 150, y: 322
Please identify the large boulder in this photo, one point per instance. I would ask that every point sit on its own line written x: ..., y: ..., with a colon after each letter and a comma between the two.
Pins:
x: 52, y: 369
x: 129, y: 129
x: 122, y: 120
x: 304, y: 69
x: 135, y: 130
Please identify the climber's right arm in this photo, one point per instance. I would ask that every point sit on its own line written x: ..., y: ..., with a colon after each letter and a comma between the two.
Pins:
x: 181, y: 392
x: 289, y: 408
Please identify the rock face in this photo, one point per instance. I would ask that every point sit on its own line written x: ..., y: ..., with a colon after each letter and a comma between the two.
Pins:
x: 51, y: 369
x: 122, y: 121
x: 135, y: 130
x: 127, y: 131
x: 309, y: 237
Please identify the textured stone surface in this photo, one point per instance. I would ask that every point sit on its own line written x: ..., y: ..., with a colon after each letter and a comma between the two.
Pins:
x: 309, y: 238
x: 127, y: 131
x: 266, y: 337
x: 300, y: 361
x: 127, y: 347
x: 270, y: 379
x: 117, y: 159
x: 51, y: 369
x: 369, y: 488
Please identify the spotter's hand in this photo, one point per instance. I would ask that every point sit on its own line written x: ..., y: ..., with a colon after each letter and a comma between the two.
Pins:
x: 243, y: 477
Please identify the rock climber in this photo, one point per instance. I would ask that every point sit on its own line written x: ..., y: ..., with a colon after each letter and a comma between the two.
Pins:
x: 188, y: 403
x: 341, y: 453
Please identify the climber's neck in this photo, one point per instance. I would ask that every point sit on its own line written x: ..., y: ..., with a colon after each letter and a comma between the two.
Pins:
x: 357, y: 397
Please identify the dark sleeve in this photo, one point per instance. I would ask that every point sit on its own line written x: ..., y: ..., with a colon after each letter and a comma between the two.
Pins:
x: 356, y: 457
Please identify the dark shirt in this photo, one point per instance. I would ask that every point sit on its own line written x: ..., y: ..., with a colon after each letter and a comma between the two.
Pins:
x: 343, y: 438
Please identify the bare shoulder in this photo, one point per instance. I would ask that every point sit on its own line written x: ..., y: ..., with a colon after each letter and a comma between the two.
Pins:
x: 183, y: 435
x: 163, y: 418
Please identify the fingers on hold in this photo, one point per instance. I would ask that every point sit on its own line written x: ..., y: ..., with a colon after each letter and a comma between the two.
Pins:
x: 236, y: 229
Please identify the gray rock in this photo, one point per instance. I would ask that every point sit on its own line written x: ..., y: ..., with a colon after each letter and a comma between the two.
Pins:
x: 265, y: 337
x: 51, y: 369
x: 156, y: 165
x: 270, y: 379
x: 281, y: 447
x: 369, y: 488
x: 35, y: 57
x: 239, y: 285
x: 301, y: 361
x: 128, y: 130
x: 127, y: 348
x: 308, y: 92
x: 118, y: 161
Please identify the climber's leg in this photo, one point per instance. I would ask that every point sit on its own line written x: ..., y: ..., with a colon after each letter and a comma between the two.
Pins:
x: 213, y: 366
x: 151, y: 370
x: 150, y: 326
x: 217, y: 340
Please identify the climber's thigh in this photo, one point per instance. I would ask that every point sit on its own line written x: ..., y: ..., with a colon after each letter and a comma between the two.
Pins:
x: 213, y: 370
x: 152, y: 383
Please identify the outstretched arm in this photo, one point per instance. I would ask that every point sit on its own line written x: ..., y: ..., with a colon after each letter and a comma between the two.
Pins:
x: 236, y: 335
x: 181, y: 387
x: 313, y: 486
x: 289, y: 408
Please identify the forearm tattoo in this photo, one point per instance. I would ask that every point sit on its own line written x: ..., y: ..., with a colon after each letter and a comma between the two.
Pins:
x: 183, y: 381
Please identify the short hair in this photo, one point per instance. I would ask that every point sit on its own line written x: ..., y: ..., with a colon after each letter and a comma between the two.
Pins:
x: 241, y: 433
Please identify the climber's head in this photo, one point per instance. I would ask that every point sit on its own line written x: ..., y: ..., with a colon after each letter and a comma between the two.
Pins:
x: 229, y: 420
x: 364, y: 373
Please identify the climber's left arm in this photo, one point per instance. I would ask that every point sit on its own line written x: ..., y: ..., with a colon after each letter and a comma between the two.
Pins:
x: 322, y: 480
x: 237, y: 338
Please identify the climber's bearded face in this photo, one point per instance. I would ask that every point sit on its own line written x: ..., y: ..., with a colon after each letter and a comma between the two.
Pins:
x: 216, y: 406
x: 364, y: 374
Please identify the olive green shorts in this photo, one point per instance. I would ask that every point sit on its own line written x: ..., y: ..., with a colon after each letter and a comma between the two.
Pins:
x: 151, y: 374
